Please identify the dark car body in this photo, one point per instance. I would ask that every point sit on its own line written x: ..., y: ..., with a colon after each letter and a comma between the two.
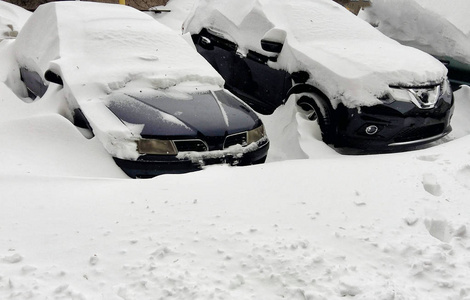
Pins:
x: 459, y: 72
x: 252, y: 73
x: 164, y: 117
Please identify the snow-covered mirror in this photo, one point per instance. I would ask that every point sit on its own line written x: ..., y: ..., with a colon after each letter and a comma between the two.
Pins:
x: 273, y: 40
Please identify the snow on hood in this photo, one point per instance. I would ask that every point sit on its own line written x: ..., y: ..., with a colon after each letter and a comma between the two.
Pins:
x: 348, y: 59
x: 430, y: 25
x: 12, y: 18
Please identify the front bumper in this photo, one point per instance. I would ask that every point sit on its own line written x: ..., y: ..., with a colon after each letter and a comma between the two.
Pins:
x: 148, y: 166
x: 399, y: 124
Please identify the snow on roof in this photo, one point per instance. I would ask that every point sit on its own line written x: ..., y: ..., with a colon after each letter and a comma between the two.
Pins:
x: 350, y: 60
x: 430, y: 25
x: 12, y: 18
x: 108, y: 45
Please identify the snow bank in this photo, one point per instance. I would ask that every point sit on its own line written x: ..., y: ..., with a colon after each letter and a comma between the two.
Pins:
x: 295, y: 234
x: 349, y: 61
x: 441, y: 28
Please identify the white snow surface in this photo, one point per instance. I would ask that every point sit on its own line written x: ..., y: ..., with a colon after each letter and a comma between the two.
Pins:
x: 12, y: 19
x: 441, y: 28
x: 348, y: 60
x: 309, y: 224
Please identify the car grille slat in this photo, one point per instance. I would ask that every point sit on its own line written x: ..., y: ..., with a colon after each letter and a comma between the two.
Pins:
x: 235, y: 139
x: 411, y: 134
x: 191, y: 145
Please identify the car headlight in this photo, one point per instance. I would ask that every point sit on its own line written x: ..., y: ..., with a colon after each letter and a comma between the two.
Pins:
x: 400, y: 94
x: 255, y: 135
x: 157, y: 147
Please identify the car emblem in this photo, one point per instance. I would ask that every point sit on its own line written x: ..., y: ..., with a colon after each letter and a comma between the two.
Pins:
x: 425, y: 98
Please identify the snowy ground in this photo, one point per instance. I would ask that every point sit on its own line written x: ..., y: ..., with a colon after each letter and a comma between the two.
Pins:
x: 309, y: 224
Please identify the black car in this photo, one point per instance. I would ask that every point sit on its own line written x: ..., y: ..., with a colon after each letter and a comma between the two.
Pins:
x: 153, y: 102
x: 330, y: 62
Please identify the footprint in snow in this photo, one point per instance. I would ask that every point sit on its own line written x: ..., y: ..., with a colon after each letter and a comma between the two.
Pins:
x: 428, y: 157
x: 13, y: 259
x: 439, y: 229
x: 431, y: 185
x: 463, y: 176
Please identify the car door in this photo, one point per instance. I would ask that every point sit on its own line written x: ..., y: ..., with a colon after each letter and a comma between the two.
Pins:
x: 247, y: 76
x: 266, y: 86
x: 219, y: 52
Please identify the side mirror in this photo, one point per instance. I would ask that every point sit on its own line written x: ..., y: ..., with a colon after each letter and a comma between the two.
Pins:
x: 53, y: 77
x: 270, y: 46
x: 273, y: 40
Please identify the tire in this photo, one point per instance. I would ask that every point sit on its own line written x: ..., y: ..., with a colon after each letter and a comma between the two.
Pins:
x: 323, y: 113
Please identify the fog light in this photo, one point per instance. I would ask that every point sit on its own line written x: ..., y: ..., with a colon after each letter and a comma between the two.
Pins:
x: 372, y: 129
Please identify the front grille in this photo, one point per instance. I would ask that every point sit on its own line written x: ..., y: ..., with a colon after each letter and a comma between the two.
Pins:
x: 412, y: 134
x: 191, y: 145
x: 235, y: 139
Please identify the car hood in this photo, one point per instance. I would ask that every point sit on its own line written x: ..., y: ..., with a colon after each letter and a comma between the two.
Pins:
x: 358, y: 73
x: 163, y: 115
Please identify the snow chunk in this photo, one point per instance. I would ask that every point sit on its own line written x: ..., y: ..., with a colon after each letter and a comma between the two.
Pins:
x: 13, y: 259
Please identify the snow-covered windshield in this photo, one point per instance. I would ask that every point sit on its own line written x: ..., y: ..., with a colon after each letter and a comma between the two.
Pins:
x: 108, y: 46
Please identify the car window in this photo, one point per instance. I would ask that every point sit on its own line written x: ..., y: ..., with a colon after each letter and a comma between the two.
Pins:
x: 33, y: 82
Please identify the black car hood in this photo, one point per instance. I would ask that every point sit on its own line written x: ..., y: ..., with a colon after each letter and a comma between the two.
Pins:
x: 212, y: 114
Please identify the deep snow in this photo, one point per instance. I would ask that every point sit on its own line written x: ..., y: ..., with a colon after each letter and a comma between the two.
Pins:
x: 309, y: 224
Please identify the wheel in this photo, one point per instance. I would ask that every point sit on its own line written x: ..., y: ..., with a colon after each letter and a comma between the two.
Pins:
x: 309, y: 109
x: 317, y: 107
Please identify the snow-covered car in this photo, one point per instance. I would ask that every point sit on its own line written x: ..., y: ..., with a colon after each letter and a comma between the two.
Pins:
x: 365, y: 89
x: 440, y: 28
x: 155, y: 104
